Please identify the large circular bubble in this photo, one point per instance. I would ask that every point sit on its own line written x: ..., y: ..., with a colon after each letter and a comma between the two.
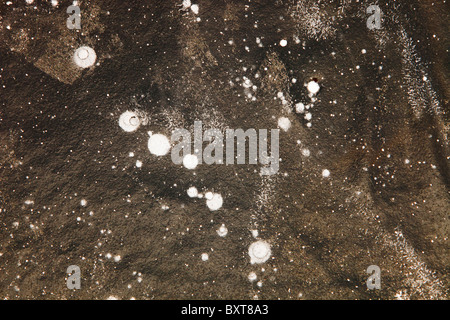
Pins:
x: 84, y: 57
x: 158, y: 144
x: 259, y: 252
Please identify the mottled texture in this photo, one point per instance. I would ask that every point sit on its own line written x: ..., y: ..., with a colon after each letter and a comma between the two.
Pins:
x: 380, y: 126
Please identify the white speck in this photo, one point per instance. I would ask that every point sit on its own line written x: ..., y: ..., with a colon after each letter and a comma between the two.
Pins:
x: 112, y: 298
x: 407, y: 161
x: 255, y: 233
x: 84, y: 57
x: 158, y: 144
x: 117, y: 258
x: 205, y: 256
x: 129, y: 121
x: 363, y: 51
x: 195, y: 8
x: 252, y: 276
x: 215, y: 203
x: 138, y: 163
x: 29, y: 202
x: 131, y: 154
x: 284, y: 123
x: 313, y: 87
x: 283, y: 43
x: 325, y: 173
x: 222, y: 231
x: 190, y: 161
x: 192, y: 192
x: 83, y: 202
x: 308, y: 116
x: 259, y: 252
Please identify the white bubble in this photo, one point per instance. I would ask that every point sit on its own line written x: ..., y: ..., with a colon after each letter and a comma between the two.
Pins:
x: 284, y: 123
x: 306, y: 152
x: 192, y: 192
x: 259, y: 252
x: 190, y: 161
x: 83, y: 202
x: 209, y: 195
x: 195, y: 8
x: 158, y: 144
x: 252, y: 276
x: 215, y: 203
x: 283, y: 43
x: 325, y: 173
x: 84, y: 57
x: 222, y: 231
x: 129, y: 121
x: 138, y: 163
x: 313, y: 87
x: 205, y: 256
x: 186, y: 3
x: 299, y: 107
